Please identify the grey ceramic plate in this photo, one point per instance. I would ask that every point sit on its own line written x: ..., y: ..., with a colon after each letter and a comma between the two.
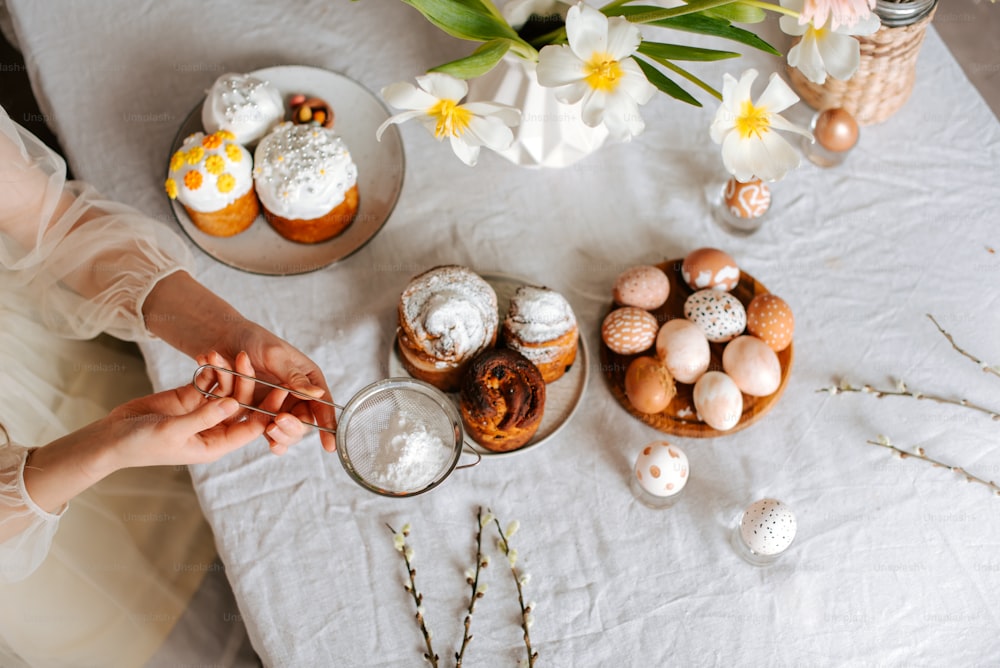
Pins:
x: 561, y: 397
x: 357, y: 113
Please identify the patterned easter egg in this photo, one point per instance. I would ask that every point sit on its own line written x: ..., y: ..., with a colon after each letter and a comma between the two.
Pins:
x: 629, y: 330
x: 770, y: 319
x: 768, y: 527
x: 719, y: 314
x: 643, y: 286
x: 747, y: 200
x: 710, y: 268
x: 661, y: 469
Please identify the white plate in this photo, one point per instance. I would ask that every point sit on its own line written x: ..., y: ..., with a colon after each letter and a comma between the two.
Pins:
x: 357, y: 114
x: 561, y: 397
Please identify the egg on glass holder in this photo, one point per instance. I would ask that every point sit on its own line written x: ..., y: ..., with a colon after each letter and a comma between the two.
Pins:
x: 835, y: 132
x: 764, y: 531
x: 661, y: 471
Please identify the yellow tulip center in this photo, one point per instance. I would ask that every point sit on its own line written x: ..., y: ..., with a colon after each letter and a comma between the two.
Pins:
x: 752, y: 121
x: 603, y: 72
x: 451, y: 118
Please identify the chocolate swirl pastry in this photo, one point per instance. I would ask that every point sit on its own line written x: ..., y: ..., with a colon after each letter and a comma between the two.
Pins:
x: 502, y: 399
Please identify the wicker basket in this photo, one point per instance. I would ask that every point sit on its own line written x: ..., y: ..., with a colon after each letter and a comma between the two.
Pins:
x: 883, y: 81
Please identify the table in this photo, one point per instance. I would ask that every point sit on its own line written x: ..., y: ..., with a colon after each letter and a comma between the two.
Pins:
x: 896, y: 562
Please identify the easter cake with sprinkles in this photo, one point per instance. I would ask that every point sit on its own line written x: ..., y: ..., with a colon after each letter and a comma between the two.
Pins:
x: 307, y: 182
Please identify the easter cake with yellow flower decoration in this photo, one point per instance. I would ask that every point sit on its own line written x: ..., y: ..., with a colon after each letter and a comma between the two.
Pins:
x: 307, y: 182
x: 212, y: 177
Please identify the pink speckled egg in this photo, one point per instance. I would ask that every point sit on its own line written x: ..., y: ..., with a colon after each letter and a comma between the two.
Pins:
x: 770, y: 319
x: 718, y: 401
x: 710, y: 268
x: 752, y: 365
x: 719, y: 314
x: 629, y: 330
x: 643, y: 286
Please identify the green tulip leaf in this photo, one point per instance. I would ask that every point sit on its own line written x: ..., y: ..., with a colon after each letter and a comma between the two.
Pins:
x: 703, y: 25
x: 464, y: 19
x: 681, y: 52
x: 665, y: 84
x: 481, y: 61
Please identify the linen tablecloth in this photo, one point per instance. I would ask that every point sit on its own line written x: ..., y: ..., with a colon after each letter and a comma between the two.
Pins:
x: 895, y: 563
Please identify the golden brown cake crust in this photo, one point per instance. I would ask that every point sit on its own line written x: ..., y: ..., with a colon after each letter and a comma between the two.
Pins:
x: 446, y: 376
x: 502, y: 399
x: 553, y: 358
x: 229, y: 221
x: 317, y: 229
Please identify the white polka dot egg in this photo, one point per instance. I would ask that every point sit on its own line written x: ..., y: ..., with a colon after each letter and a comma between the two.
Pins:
x: 768, y: 527
x: 661, y: 469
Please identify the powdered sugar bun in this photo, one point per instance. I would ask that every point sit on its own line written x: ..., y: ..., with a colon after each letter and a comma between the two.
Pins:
x: 447, y: 315
x: 540, y: 324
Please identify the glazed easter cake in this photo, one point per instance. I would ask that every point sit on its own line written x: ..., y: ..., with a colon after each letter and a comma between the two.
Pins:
x: 211, y: 176
x: 307, y: 182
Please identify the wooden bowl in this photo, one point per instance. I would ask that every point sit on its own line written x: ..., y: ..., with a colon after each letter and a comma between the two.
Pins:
x: 680, y: 417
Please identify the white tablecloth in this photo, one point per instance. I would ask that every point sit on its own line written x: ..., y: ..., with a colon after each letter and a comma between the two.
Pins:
x: 896, y: 562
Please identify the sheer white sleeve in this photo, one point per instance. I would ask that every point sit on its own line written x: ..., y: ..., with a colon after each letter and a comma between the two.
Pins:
x: 89, y: 262
x: 26, y: 530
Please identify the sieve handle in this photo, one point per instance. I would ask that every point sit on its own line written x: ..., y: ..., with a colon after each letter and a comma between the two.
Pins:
x: 301, y: 395
x: 471, y: 451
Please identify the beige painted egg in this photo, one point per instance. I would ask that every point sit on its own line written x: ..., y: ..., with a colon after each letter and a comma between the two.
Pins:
x: 661, y: 469
x: 747, y: 200
x: 752, y: 365
x: 648, y: 385
x: 718, y: 400
x: 770, y: 319
x: 629, y: 330
x: 642, y: 286
x: 710, y: 268
x: 719, y: 314
x: 682, y: 347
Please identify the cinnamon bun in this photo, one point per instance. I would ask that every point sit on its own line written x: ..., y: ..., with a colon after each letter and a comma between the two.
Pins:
x: 502, y: 399
x: 447, y: 315
x: 540, y: 325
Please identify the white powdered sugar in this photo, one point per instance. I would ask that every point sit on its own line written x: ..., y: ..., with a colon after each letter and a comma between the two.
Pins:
x: 409, y: 457
x: 452, y: 311
x: 537, y: 315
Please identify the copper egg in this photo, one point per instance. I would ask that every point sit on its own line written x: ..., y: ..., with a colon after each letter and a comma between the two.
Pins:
x: 836, y: 130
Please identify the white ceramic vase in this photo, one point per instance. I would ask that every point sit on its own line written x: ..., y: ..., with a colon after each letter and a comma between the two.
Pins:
x: 551, y: 134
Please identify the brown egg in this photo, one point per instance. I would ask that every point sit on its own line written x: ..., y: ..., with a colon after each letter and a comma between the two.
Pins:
x: 643, y: 286
x: 770, y: 319
x: 648, y: 385
x: 747, y: 200
x: 629, y: 330
x: 836, y: 130
x: 710, y: 268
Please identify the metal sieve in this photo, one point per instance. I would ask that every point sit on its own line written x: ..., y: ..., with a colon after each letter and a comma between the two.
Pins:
x: 375, y: 428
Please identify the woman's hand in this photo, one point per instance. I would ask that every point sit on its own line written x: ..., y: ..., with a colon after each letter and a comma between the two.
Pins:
x: 187, y: 315
x: 176, y: 427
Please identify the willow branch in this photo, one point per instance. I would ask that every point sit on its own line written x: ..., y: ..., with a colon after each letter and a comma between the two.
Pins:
x: 884, y: 442
x: 980, y: 363
x: 418, y: 598
x: 878, y: 393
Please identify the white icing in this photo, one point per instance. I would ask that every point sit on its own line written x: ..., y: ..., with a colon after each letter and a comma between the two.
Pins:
x: 537, y: 315
x: 244, y: 105
x: 452, y: 312
x: 302, y: 171
x: 207, y: 197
